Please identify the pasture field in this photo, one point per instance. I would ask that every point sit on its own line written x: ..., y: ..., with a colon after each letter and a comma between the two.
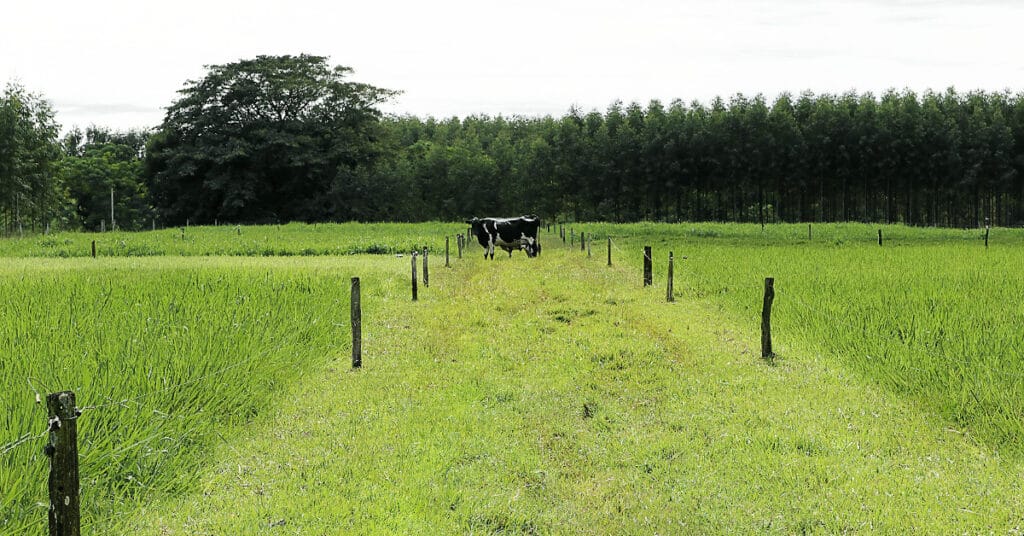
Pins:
x: 527, y: 396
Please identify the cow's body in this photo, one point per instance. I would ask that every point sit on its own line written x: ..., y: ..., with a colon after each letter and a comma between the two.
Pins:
x: 508, y: 234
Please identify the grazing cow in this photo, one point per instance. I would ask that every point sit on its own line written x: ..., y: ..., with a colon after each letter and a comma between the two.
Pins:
x: 508, y: 234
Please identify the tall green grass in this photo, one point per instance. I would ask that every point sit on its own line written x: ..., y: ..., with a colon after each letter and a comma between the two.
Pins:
x: 293, y: 239
x: 166, y: 355
x: 931, y: 314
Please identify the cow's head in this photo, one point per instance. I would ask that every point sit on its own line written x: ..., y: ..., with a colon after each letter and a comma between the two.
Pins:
x: 476, y: 225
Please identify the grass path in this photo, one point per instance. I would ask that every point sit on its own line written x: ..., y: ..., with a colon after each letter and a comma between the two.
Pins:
x: 553, y: 396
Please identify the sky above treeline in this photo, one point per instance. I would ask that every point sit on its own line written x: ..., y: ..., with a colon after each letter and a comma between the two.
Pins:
x: 119, y: 64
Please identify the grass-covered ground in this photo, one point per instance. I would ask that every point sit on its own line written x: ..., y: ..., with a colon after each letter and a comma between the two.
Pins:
x: 549, y: 395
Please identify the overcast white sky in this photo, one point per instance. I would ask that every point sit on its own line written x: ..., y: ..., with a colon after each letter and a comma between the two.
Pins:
x: 119, y: 63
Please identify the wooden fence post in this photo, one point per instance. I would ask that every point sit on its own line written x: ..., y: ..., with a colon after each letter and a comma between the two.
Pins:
x: 670, y: 296
x: 426, y: 269
x: 583, y: 241
x: 648, y: 267
x: 588, y: 245
x: 986, y: 236
x: 572, y: 237
x: 94, y: 249
x: 357, y: 325
x: 446, y: 263
x: 609, y: 251
x: 808, y: 232
x: 879, y: 237
x: 63, y: 453
x: 462, y: 244
x: 414, y: 275
x: 766, y: 318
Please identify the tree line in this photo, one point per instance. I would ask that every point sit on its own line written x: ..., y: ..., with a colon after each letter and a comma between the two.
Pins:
x: 292, y: 138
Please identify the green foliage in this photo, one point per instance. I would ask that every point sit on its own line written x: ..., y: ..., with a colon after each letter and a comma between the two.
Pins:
x: 98, y: 162
x: 275, y: 138
x: 29, y: 191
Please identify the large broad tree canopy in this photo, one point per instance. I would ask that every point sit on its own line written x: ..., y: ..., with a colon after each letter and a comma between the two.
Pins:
x: 275, y: 138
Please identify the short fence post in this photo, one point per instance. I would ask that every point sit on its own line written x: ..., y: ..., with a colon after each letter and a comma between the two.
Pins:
x: 583, y: 241
x: 588, y: 245
x: 63, y: 453
x: 461, y: 242
x: 670, y: 296
x: 648, y: 267
x: 766, y: 318
x: 94, y: 249
x: 357, y: 325
x: 446, y: 263
x: 609, y: 251
x: 808, y: 232
x: 572, y: 237
x: 414, y: 276
x: 986, y: 236
x: 879, y: 237
x: 426, y: 270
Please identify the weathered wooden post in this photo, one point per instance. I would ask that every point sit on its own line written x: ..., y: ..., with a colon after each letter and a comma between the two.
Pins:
x: 986, y: 236
x: 426, y: 269
x: 94, y: 249
x: 414, y: 297
x: 357, y: 325
x: 446, y: 263
x: 572, y: 237
x: 588, y: 245
x: 879, y: 237
x: 583, y: 241
x: 63, y: 453
x: 766, y: 318
x: 648, y: 267
x: 459, y: 241
x: 609, y: 251
x: 670, y: 296
x: 808, y: 232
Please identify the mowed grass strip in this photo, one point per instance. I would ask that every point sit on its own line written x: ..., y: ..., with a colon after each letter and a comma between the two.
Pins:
x: 555, y: 396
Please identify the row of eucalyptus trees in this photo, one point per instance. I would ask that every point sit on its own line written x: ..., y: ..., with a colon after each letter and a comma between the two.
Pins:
x: 947, y: 159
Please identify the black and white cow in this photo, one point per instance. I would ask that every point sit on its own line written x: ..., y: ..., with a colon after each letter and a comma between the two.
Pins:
x: 507, y: 233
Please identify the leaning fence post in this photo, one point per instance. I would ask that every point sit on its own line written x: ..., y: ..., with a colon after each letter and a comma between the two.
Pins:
x: 63, y: 453
x: 446, y: 263
x: 426, y: 270
x: 766, y: 318
x: 414, y: 276
x: 670, y: 296
x: 357, y: 325
x: 648, y: 268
